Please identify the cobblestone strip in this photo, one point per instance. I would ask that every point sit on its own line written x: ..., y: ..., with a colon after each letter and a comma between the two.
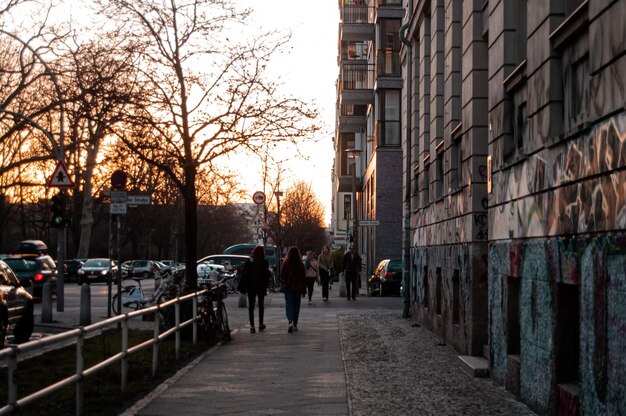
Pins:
x: 396, y: 369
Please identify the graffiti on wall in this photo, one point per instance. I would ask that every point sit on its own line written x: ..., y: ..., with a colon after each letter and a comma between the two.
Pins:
x: 569, y: 189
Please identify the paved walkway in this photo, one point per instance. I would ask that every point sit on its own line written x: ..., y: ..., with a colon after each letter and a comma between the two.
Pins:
x: 348, y: 358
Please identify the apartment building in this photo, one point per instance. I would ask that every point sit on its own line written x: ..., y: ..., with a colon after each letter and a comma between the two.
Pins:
x: 367, y: 179
x: 514, y: 129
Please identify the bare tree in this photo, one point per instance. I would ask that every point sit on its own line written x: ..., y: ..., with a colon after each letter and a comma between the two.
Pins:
x: 303, y: 218
x: 207, y: 95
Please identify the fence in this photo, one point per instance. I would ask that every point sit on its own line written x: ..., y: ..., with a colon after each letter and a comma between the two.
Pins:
x: 12, y: 354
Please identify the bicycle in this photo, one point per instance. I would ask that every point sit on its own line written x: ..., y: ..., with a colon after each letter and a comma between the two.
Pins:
x: 133, y: 296
x: 229, y: 280
x: 212, y: 315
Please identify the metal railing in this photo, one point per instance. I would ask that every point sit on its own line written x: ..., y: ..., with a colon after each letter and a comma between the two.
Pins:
x: 12, y: 354
x: 357, y: 76
x: 353, y: 13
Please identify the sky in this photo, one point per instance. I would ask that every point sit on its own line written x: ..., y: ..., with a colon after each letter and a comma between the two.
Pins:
x: 309, y: 72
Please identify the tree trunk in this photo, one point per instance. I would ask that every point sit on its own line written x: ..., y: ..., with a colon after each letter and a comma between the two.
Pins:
x: 191, y: 226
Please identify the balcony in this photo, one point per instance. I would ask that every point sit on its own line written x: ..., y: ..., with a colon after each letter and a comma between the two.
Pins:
x: 356, y: 84
x: 356, y: 22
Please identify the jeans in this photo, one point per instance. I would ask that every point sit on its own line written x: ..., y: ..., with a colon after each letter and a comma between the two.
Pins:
x: 292, y: 306
x: 325, y: 278
x: 251, y: 298
x: 310, y: 284
x: 351, y: 284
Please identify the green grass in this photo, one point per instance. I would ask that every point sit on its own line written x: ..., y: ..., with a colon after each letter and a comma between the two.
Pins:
x: 102, y: 392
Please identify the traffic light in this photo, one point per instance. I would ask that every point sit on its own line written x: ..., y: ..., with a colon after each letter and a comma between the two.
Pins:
x: 56, y: 206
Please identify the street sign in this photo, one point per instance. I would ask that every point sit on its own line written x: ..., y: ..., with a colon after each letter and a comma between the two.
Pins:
x: 118, y: 208
x: 60, y: 178
x: 138, y: 199
x: 367, y: 223
x: 118, y: 179
x: 118, y: 197
x: 258, y: 197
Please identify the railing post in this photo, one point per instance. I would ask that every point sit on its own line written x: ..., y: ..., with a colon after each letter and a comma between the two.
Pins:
x: 177, y: 324
x: 12, y: 371
x: 155, y: 344
x: 195, y: 319
x: 124, y: 360
x: 80, y: 367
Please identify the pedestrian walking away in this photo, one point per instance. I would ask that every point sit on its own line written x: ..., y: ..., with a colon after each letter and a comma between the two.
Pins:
x: 255, y: 277
x: 325, y: 261
x: 293, y: 285
x: 312, y: 272
x: 351, y: 269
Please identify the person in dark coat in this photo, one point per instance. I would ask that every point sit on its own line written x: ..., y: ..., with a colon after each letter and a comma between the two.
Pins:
x: 293, y: 285
x: 256, y: 274
x: 351, y: 270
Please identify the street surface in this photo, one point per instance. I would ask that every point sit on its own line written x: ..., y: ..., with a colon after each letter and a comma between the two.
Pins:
x: 348, y: 358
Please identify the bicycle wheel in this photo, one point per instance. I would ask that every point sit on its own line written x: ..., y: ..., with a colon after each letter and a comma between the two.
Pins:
x: 114, y: 304
x: 222, y: 321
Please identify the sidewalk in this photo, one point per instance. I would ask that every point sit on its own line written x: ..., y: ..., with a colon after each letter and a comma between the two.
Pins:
x: 348, y: 358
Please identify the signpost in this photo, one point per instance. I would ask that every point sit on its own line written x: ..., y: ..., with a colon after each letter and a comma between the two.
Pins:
x: 258, y: 197
x: 369, y: 223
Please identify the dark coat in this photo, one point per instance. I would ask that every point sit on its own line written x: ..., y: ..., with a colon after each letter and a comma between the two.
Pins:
x: 293, y: 277
x: 256, y: 276
x: 351, y: 265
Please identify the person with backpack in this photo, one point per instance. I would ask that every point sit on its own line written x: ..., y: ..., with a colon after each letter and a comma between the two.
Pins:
x: 312, y: 273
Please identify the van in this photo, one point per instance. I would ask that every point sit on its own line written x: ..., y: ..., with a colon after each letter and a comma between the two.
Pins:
x: 246, y: 250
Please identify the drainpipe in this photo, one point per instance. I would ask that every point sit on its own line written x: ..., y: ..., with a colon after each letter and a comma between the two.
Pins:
x: 406, y: 270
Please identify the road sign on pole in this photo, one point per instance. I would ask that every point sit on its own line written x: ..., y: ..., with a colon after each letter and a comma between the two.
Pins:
x: 137, y: 199
x: 258, y: 197
x: 118, y: 208
x: 60, y: 178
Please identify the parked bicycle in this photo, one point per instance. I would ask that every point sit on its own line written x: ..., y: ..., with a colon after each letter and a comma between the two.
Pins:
x: 133, y: 296
x: 212, y: 315
x: 230, y: 280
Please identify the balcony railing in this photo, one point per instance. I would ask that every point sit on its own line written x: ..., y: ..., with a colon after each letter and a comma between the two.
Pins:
x: 390, y: 2
x: 357, y: 77
x: 353, y: 13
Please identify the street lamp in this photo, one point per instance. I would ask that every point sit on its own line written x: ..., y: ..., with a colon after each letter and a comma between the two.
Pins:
x: 352, y: 154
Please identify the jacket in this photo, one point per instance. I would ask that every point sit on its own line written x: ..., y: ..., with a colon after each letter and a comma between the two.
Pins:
x: 256, y: 277
x: 292, y: 277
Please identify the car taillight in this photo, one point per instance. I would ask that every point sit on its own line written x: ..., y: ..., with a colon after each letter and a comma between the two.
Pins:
x: 388, y: 275
x: 38, y: 277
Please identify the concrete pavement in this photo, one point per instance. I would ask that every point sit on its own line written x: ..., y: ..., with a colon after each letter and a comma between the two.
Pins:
x: 348, y: 358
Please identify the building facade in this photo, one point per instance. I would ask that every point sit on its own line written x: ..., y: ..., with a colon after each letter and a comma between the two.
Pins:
x: 514, y: 130
x: 367, y: 174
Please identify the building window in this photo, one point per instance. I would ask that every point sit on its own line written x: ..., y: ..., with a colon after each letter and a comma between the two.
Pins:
x: 456, y: 297
x: 577, y: 92
x: 568, y: 334
x: 455, y: 164
x: 439, y: 176
x: 426, y: 185
x: 426, y: 302
x: 388, y: 48
x: 389, y: 118
x: 438, y: 292
x: 512, y: 315
x: 347, y: 206
x: 415, y: 201
x: 520, y: 30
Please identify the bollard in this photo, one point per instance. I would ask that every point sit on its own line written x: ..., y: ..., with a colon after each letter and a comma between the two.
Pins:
x: 85, y: 305
x: 243, y: 300
x: 342, y: 285
x: 46, y: 303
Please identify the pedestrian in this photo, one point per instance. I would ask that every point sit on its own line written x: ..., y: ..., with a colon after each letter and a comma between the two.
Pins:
x: 351, y: 269
x: 312, y: 272
x: 325, y: 262
x: 293, y: 285
x: 256, y: 275
x: 337, y: 262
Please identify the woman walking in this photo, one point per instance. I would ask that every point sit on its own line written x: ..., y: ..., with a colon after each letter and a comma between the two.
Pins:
x: 312, y: 273
x: 293, y: 285
x: 325, y: 262
x: 256, y: 275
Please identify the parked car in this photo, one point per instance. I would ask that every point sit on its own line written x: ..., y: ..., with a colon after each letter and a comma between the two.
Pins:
x: 144, y: 269
x: 16, y: 307
x: 71, y: 270
x: 97, y: 271
x: 32, y: 247
x: 36, y: 269
x: 387, y: 278
x: 245, y: 249
x: 231, y: 262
